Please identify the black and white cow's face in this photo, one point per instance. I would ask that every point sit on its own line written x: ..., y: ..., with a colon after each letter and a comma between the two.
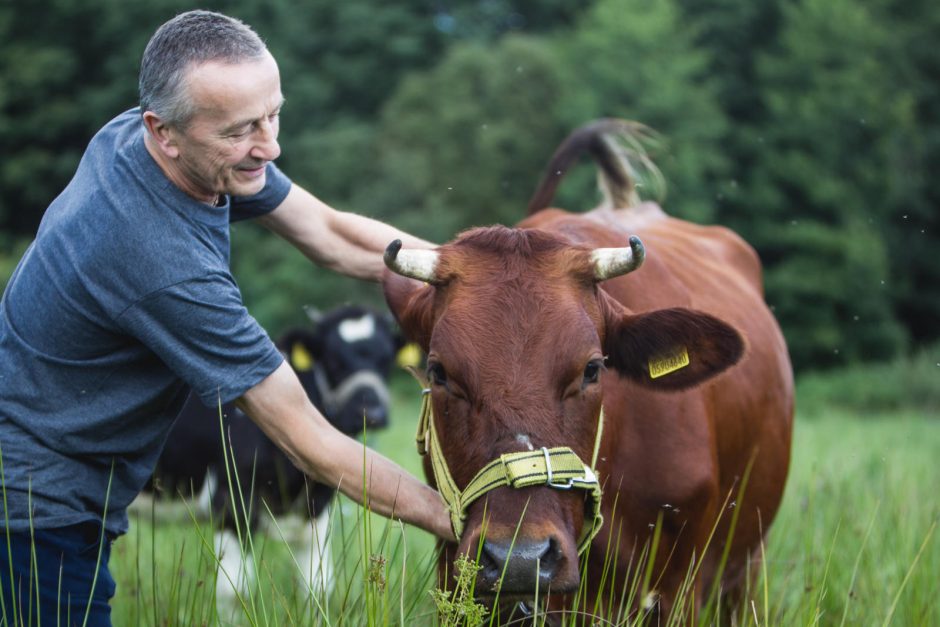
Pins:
x: 344, y: 364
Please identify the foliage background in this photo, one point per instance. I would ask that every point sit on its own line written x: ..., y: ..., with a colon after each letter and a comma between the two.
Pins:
x: 809, y: 126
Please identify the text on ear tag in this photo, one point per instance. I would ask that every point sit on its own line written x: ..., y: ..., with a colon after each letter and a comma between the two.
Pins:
x: 664, y: 364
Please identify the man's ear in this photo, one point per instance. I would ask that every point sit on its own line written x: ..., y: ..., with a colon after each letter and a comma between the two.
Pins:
x: 670, y: 349
x: 162, y: 135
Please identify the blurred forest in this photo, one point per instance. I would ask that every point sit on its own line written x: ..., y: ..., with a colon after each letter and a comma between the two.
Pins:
x: 811, y: 127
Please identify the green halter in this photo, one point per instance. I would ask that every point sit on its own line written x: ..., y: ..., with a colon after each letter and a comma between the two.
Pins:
x: 558, y: 467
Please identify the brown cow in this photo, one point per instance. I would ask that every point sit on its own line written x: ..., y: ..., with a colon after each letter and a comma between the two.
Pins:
x: 528, y: 331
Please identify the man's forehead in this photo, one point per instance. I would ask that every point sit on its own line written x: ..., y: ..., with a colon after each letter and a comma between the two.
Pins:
x: 248, y: 89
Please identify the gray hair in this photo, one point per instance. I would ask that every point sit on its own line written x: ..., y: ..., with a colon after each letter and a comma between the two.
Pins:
x: 188, y: 39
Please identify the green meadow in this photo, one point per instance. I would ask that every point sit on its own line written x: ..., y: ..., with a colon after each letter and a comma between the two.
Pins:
x: 855, y: 541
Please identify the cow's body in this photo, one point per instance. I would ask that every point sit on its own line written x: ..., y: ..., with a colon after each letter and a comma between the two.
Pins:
x: 509, y: 318
x: 684, y: 454
x: 343, y: 362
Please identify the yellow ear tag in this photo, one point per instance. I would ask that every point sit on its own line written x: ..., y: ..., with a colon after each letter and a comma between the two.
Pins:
x: 665, y: 364
x: 409, y: 355
x: 300, y: 358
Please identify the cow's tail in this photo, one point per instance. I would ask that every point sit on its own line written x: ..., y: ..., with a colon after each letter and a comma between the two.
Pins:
x: 619, y: 148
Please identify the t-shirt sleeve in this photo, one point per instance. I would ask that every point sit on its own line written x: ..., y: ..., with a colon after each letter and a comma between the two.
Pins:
x: 276, y: 187
x: 203, y: 333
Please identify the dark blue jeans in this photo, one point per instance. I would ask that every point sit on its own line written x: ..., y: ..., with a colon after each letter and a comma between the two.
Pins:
x: 59, y: 586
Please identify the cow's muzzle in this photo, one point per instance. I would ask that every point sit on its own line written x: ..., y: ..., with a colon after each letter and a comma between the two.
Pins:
x: 558, y: 468
x: 521, y: 566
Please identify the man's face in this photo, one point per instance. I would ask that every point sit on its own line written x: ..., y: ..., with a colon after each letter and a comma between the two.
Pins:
x: 233, y: 133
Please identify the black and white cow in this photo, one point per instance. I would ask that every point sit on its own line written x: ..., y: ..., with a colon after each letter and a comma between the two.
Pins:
x: 343, y: 362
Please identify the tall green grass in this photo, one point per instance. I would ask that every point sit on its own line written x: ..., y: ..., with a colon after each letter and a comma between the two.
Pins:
x: 854, y: 543
x: 166, y: 572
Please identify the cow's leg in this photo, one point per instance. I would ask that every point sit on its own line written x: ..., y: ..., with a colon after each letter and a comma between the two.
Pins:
x: 315, y: 556
x: 738, y: 583
x: 686, y: 517
x: 204, y: 501
x: 236, y: 572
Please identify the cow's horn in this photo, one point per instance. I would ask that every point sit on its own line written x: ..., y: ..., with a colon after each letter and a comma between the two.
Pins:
x: 414, y: 263
x: 613, y: 262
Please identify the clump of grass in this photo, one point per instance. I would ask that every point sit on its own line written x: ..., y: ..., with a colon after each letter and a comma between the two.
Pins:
x: 376, y: 574
x: 458, y: 607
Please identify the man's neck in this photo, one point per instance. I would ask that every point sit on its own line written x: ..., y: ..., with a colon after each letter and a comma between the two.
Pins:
x: 169, y: 169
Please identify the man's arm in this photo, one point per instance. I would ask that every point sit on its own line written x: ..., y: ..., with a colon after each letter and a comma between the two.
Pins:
x: 281, y: 408
x: 345, y: 242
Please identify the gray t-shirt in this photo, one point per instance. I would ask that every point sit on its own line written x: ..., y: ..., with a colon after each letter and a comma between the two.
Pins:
x: 122, y: 304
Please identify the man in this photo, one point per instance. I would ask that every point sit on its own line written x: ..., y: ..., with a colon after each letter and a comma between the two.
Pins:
x: 125, y: 302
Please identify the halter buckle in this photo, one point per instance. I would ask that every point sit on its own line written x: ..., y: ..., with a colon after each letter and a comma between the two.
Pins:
x: 588, y: 478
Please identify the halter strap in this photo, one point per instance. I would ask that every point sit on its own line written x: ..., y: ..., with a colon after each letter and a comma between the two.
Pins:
x: 558, y: 467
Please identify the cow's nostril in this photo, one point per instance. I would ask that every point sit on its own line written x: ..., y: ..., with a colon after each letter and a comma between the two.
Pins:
x: 521, y: 566
x: 551, y: 558
x: 490, y: 570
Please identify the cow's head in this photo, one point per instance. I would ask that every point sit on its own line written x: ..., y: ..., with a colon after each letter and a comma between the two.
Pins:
x: 518, y: 335
x: 344, y: 362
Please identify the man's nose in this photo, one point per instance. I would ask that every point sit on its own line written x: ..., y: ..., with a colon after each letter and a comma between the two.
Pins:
x: 266, y: 147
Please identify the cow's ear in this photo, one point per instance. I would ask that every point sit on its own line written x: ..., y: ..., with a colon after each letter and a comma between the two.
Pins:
x: 407, y: 354
x: 671, y: 349
x: 412, y: 303
x: 300, y: 347
x: 398, y: 339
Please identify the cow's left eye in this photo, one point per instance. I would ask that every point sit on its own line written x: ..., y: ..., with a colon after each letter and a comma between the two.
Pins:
x: 436, y: 374
x: 592, y: 372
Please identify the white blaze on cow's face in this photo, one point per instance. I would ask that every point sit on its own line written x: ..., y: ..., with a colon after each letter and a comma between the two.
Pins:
x: 357, y: 330
x: 524, y: 441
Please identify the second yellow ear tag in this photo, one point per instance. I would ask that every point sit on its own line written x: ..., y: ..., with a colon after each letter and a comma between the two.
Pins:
x: 409, y: 355
x: 300, y: 358
x: 664, y: 364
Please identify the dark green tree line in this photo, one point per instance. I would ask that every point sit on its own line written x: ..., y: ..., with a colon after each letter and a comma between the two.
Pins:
x: 828, y: 202
x: 809, y: 126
